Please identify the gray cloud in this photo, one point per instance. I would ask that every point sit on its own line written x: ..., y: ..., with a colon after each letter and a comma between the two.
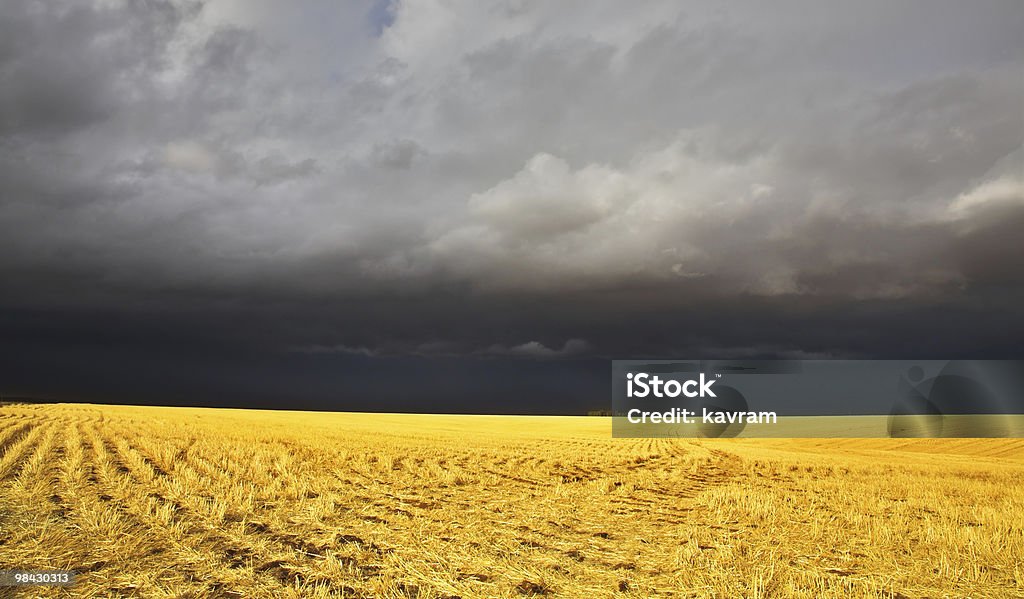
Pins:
x: 476, y: 179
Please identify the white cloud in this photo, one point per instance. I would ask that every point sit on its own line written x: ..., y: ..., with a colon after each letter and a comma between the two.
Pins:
x: 657, y: 216
x: 535, y: 349
x: 1001, y: 187
x: 190, y: 156
x: 1004, y: 191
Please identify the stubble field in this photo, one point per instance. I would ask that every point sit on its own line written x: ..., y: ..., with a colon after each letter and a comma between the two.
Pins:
x: 173, y: 502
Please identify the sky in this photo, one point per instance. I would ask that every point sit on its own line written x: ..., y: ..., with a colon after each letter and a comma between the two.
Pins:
x: 464, y: 205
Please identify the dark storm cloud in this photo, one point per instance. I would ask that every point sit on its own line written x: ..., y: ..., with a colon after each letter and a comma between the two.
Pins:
x: 66, y: 67
x: 195, y: 192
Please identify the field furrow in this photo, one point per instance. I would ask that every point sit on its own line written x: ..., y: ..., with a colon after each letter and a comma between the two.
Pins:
x: 244, y: 544
x: 19, y: 450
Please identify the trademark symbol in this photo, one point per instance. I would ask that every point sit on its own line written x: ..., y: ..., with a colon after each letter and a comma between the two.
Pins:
x: 718, y: 376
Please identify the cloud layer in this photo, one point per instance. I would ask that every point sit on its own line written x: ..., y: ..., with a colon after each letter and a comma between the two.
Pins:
x: 517, y: 178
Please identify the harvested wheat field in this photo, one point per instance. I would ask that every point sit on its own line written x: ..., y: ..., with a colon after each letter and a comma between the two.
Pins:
x: 173, y: 502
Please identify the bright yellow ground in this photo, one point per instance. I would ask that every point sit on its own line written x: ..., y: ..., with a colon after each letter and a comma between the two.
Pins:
x: 170, y: 502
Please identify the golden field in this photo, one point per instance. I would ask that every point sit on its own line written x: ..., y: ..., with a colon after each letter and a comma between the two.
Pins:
x: 176, y: 502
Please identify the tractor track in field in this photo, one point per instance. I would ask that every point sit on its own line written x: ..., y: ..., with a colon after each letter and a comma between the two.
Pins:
x: 20, y: 450
x: 237, y: 548
x: 14, y: 433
